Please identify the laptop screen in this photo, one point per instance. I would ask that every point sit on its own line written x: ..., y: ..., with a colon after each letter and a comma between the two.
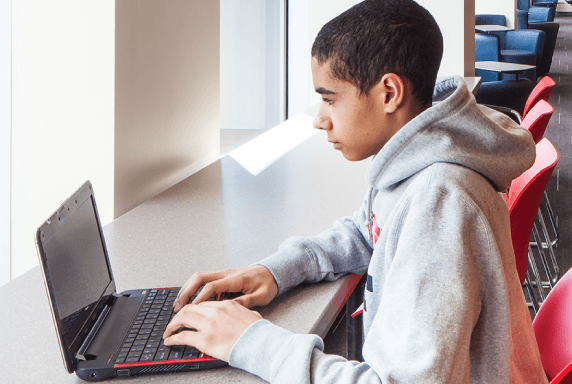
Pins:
x: 75, y: 266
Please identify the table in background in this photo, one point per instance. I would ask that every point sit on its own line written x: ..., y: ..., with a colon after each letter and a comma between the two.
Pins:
x: 492, y: 29
x: 496, y: 30
x: 502, y: 67
x: 473, y: 82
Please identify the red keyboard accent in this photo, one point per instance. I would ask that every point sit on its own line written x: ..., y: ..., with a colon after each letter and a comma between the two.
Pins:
x: 164, y: 362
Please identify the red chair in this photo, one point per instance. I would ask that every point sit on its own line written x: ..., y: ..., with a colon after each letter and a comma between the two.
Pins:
x: 524, y: 197
x: 536, y: 120
x: 541, y: 91
x: 553, y: 328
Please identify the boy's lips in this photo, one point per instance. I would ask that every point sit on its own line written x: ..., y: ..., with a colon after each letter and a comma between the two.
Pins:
x: 337, y: 144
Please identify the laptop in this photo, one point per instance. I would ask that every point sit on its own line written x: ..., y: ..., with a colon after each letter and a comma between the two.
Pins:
x: 102, y: 333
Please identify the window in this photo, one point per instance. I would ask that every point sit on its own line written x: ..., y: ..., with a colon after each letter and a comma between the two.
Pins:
x: 252, y: 67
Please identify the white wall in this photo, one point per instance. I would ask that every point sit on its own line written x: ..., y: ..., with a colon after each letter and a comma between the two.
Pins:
x: 167, y: 101
x: 62, y: 112
x: 457, y: 23
x: 5, y: 141
x: 496, y: 7
x: 133, y: 129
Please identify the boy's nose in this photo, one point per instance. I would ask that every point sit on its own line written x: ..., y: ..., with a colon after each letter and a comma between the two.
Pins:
x: 322, y: 122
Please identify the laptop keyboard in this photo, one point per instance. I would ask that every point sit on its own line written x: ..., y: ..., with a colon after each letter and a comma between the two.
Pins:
x: 144, y: 342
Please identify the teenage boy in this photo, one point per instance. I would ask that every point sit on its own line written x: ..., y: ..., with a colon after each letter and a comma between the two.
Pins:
x: 443, y: 302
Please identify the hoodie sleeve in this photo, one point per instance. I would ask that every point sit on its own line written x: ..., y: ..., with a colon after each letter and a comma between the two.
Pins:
x: 281, y: 357
x: 422, y: 329
x: 342, y: 249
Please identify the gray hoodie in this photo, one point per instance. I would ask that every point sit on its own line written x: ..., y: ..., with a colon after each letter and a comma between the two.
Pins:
x: 443, y: 302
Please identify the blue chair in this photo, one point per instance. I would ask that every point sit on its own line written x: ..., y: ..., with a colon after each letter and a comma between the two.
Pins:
x: 525, y: 18
x: 486, y: 19
x: 486, y: 49
x: 505, y: 93
x: 536, y: 13
x: 551, y: 29
x: 539, y: 18
x: 541, y: 14
x: 490, y: 19
x: 522, y: 19
x: 545, y: 3
x: 523, y: 46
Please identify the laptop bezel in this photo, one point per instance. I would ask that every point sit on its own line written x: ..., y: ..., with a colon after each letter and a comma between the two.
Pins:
x: 43, y: 234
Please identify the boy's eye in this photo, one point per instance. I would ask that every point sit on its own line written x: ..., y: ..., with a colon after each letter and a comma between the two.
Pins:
x: 329, y: 101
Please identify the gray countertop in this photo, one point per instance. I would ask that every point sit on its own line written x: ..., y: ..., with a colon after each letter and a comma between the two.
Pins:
x: 221, y: 217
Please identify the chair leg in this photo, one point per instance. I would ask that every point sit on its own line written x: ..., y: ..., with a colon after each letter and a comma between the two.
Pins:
x: 552, y: 272
x: 536, y: 274
x: 552, y: 218
x: 553, y: 222
x: 533, y: 302
x: 546, y: 284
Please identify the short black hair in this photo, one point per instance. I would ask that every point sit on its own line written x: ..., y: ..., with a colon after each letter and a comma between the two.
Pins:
x: 376, y: 37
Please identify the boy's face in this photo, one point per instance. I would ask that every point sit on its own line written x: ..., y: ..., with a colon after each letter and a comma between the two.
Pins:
x: 357, y: 125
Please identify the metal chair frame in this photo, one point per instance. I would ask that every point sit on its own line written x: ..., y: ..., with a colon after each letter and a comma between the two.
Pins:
x: 524, y: 199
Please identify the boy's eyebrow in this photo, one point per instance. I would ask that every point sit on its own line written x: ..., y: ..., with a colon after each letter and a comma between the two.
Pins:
x: 324, y: 91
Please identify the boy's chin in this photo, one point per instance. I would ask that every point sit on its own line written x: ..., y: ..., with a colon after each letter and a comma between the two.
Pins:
x: 353, y: 156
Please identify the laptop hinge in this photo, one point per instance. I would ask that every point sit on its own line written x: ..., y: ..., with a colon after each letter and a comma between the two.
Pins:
x: 80, y: 355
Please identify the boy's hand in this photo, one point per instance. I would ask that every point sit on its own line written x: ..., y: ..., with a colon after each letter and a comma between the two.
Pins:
x: 256, y: 282
x: 212, y: 326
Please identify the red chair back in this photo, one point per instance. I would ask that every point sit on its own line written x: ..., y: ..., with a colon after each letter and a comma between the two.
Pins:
x: 541, y: 91
x: 524, y: 199
x: 553, y: 328
x: 537, y: 119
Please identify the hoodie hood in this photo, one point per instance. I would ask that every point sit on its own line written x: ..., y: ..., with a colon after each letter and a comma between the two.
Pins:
x: 455, y: 130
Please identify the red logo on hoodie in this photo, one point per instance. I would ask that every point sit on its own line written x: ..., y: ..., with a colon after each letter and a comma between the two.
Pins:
x: 376, y: 231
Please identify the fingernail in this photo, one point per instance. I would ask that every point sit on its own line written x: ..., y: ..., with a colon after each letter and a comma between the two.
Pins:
x: 176, y: 305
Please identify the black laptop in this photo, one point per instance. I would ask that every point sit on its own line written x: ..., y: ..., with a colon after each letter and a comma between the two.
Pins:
x: 102, y: 333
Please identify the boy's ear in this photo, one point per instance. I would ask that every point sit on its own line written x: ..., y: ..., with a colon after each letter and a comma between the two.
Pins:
x: 391, y: 91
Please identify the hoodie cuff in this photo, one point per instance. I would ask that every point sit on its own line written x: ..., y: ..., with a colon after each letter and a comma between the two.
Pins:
x: 264, y: 349
x: 291, y: 265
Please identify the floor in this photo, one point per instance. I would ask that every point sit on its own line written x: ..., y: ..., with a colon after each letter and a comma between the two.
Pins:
x: 559, y: 190
x: 559, y: 131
